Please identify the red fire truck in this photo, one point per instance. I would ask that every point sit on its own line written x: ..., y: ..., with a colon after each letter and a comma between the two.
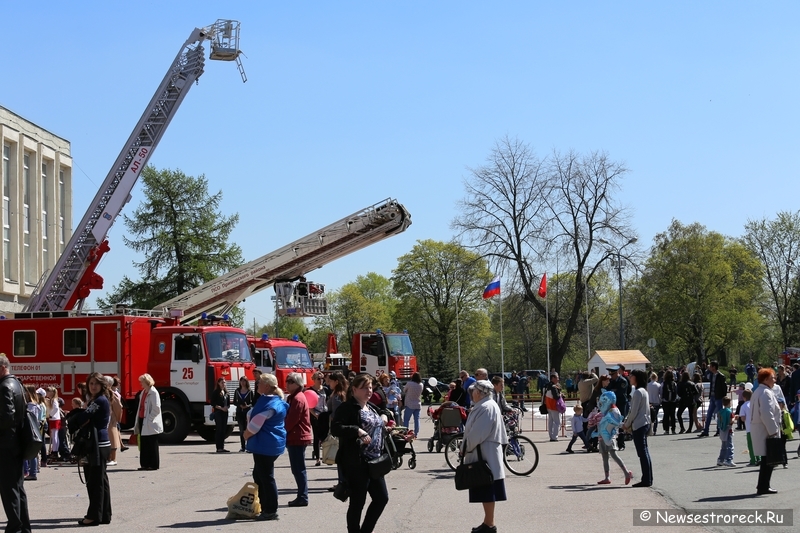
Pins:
x: 378, y: 352
x: 281, y: 357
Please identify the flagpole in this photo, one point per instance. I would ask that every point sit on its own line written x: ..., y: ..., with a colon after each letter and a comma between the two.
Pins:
x: 502, y: 352
x: 547, y: 331
x: 458, y: 337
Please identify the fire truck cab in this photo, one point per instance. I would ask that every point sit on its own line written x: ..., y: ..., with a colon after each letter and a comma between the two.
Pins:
x: 281, y: 357
x: 378, y: 352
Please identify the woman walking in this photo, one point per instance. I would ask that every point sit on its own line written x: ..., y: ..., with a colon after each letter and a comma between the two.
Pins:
x: 486, y: 432
x: 265, y: 438
x: 243, y: 400
x: 220, y: 405
x: 412, y: 394
x: 687, y: 392
x: 149, y: 424
x: 359, y: 429
x: 96, y: 417
x: 765, y: 423
x: 669, y: 402
x: 638, y: 422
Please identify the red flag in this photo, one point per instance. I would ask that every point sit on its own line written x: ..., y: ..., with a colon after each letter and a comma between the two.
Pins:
x: 543, y: 286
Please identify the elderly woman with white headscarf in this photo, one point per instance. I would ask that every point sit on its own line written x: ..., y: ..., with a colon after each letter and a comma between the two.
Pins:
x: 485, y: 428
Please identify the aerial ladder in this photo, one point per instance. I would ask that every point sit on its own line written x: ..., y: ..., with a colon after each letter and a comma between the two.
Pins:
x: 74, y: 276
x: 285, y: 268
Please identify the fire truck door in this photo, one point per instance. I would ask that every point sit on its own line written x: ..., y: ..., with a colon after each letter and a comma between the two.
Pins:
x: 105, y: 348
x: 187, y: 368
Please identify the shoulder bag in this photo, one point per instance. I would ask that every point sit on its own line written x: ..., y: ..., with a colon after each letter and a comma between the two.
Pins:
x: 30, y: 437
x: 474, y: 475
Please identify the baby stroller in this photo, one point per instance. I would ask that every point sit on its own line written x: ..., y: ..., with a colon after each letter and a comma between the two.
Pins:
x: 448, y: 422
x: 400, y: 441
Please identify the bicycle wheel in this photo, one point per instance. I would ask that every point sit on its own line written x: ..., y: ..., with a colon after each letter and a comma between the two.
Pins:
x: 520, y: 455
x: 451, y: 452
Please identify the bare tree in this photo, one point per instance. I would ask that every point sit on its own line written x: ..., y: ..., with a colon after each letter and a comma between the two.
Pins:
x: 527, y: 214
x: 777, y: 244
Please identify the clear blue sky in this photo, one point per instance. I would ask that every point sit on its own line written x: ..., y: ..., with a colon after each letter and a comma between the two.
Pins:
x: 348, y: 103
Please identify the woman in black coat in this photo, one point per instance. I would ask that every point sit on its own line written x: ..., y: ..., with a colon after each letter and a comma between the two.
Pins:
x: 220, y: 403
x: 95, y: 419
x: 243, y: 400
x: 359, y: 429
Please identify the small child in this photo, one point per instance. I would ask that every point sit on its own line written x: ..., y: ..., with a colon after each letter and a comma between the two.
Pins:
x: 594, y: 418
x: 744, y: 415
x: 577, y: 428
x: 739, y: 402
x: 725, y: 425
x: 787, y: 428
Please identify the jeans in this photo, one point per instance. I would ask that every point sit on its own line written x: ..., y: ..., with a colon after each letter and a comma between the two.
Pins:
x: 297, y: 462
x: 726, y: 448
x: 553, y: 424
x: 582, y: 435
x: 714, y: 406
x: 264, y: 477
x: 407, y: 418
x: 640, y: 441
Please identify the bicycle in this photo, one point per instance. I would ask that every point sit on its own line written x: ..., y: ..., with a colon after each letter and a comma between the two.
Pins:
x: 520, y: 455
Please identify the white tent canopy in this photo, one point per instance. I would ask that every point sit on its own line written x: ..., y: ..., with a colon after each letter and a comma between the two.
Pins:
x: 631, y: 359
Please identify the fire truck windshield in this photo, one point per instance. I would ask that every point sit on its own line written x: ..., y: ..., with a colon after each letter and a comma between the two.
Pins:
x: 227, y: 346
x: 399, y: 344
x: 292, y: 357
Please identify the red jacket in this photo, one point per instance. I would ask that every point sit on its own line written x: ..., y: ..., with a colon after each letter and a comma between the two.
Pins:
x: 298, y: 421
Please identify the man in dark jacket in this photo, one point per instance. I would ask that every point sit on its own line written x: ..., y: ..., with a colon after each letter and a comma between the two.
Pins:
x: 12, y: 410
x: 718, y: 389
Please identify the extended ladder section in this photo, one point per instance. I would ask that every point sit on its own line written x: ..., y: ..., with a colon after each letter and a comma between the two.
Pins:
x: 293, y: 261
x: 73, y: 276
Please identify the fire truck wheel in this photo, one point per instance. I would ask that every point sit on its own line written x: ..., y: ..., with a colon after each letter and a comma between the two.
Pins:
x: 176, y: 423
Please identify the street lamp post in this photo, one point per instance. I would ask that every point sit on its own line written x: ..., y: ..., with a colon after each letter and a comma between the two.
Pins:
x: 618, y: 252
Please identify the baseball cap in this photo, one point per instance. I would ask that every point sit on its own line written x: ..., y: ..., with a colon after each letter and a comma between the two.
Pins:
x: 41, y: 392
x: 393, y: 374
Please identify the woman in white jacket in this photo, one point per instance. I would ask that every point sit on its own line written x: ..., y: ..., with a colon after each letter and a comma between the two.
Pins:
x: 485, y: 428
x: 765, y: 423
x: 148, y: 424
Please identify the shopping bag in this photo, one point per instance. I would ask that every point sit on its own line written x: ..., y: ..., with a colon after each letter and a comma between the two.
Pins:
x: 329, y: 448
x: 245, y: 503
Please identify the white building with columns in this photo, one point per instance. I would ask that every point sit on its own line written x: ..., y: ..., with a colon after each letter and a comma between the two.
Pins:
x: 36, y: 174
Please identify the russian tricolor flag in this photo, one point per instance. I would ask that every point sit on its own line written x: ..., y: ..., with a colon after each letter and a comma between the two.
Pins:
x: 492, y: 289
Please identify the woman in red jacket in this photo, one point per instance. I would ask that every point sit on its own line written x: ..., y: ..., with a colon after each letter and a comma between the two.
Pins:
x: 298, y: 436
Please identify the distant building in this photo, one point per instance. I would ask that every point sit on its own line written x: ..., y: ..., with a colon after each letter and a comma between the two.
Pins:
x: 36, y: 174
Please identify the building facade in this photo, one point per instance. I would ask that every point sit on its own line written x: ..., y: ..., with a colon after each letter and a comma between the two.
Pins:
x: 36, y: 173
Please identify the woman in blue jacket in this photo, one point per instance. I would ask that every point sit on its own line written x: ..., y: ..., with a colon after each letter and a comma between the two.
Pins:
x: 266, y: 440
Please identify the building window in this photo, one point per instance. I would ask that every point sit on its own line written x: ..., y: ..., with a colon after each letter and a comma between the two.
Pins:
x: 75, y: 342
x: 24, y: 343
x: 45, y: 232
x: 7, y: 273
x: 62, y: 203
x: 27, y: 186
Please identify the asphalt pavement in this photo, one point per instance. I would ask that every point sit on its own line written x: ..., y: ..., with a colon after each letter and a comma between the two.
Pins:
x: 191, y: 489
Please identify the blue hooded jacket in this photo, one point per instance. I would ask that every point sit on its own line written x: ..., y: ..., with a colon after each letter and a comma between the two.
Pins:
x: 612, y: 418
x: 271, y: 438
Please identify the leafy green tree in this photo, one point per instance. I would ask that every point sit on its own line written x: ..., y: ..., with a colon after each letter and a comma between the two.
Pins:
x: 526, y: 214
x: 699, y: 294
x: 777, y: 245
x: 433, y: 283
x: 183, y: 236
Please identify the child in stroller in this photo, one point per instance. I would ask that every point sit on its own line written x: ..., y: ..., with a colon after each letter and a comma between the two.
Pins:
x: 448, y: 422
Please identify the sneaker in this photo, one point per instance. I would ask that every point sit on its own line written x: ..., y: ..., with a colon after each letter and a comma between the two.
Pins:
x: 267, y: 516
x: 604, y: 482
x: 720, y: 463
x: 628, y: 477
x: 729, y: 464
x: 570, y: 451
x: 30, y: 478
x: 111, y: 463
x: 241, y: 450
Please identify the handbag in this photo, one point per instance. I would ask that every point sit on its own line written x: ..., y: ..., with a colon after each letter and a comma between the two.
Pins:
x: 561, y: 405
x: 329, y: 449
x: 380, y: 466
x: 542, y: 408
x: 211, y: 416
x: 31, y: 437
x: 474, y: 475
x: 83, y: 442
x: 775, y: 451
x: 245, y: 503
